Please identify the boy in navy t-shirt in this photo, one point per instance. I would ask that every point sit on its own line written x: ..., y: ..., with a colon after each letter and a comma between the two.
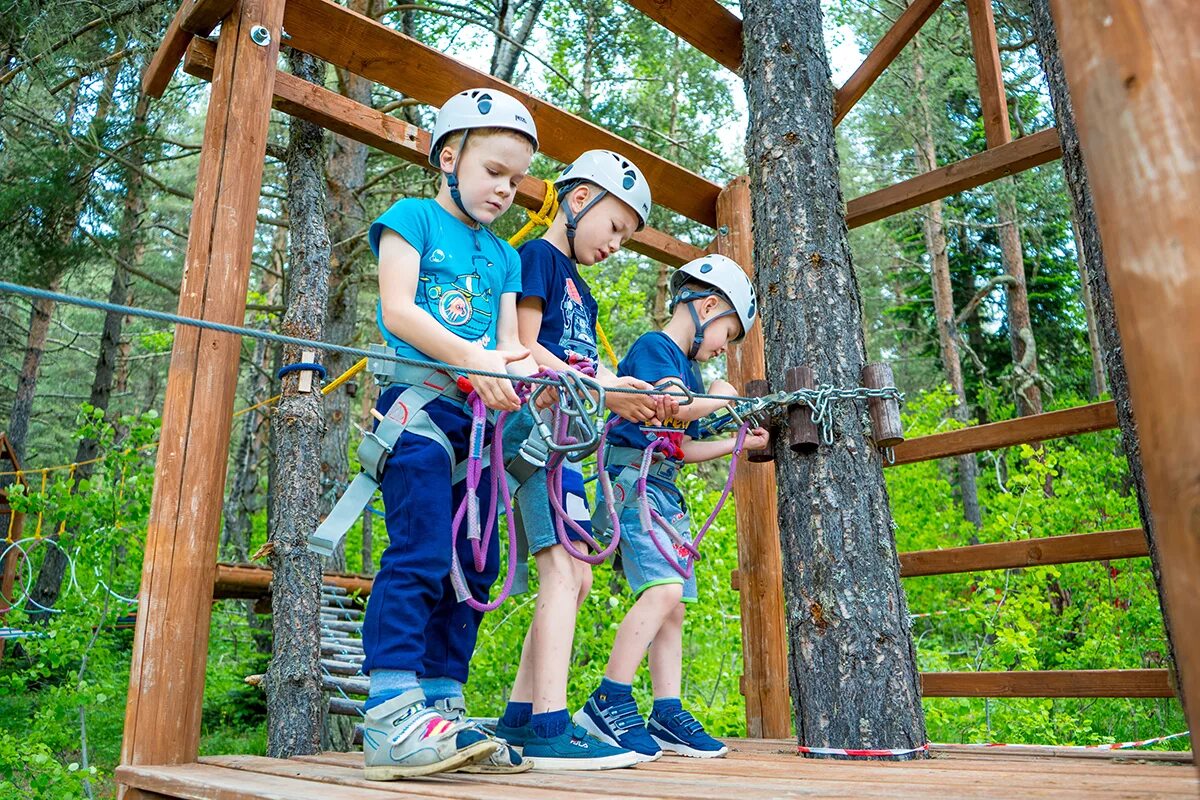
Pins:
x: 603, y: 200
x: 713, y: 304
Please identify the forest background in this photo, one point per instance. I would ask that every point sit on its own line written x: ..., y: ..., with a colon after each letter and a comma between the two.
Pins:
x: 95, y: 195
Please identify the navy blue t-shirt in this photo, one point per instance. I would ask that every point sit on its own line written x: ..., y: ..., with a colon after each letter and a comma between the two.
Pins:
x: 653, y: 357
x: 569, y: 311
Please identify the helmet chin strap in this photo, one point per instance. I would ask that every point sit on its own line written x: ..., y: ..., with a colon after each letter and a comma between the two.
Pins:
x: 690, y: 296
x: 452, y: 181
x: 573, y: 217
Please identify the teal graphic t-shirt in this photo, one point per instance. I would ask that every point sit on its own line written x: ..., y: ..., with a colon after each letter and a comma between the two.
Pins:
x: 464, y: 271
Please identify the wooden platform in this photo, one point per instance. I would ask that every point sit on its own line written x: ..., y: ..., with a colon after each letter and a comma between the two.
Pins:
x: 754, y: 769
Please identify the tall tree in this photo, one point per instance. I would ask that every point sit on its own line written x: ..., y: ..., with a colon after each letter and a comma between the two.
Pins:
x: 295, y: 702
x: 853, y: 667
x: 1093, y: 254
x: 925, y: 154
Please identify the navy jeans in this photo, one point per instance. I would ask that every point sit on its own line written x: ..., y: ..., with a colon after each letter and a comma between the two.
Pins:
x: 413, y: 620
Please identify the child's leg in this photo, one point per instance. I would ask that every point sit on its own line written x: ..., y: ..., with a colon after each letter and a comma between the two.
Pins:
x: 666, y: 655
x: 641, y: 626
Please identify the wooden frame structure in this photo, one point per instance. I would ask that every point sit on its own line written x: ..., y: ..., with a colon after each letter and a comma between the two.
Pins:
x: 180, y: 573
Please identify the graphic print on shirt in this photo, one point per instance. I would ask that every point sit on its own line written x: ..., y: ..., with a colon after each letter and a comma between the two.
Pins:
x: 465, y: 305
x: 578, y: 334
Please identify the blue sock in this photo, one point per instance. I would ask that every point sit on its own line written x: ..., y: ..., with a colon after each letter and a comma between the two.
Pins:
x: 440, y: 688
x: 550, y: 724
x: 389, y: 683
x: 516, y: 715
x: 666, y: 705
x: 611, y: 693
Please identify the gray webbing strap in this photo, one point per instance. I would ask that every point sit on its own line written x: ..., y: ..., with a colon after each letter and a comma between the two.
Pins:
x: 406, y: 414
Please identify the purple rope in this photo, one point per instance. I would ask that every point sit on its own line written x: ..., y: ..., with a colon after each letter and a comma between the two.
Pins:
x: 562, y: 519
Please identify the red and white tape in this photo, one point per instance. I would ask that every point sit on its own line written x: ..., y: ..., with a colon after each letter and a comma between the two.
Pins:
x: 838, y: 751
x: 1113, y: 746
x: 883, y: 753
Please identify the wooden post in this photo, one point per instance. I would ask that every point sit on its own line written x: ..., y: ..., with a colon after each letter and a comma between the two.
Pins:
x: 166, y: 682
x: 764, y: 653
x: 803, y: 436
x: 886, y: 430
x: 1132, y: 69
x: 761, y: 388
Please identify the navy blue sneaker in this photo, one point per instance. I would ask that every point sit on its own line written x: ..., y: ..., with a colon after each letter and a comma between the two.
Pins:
x: 677, y: 731
x: 575, y: 749
x: 620, y: 725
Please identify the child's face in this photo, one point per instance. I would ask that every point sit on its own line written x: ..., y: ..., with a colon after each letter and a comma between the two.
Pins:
x: 489, y: 171
x: 603, y: 229
x: 721, y: 332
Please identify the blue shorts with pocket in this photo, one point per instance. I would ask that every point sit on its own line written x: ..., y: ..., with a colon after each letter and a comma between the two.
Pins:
x: 642, y: 562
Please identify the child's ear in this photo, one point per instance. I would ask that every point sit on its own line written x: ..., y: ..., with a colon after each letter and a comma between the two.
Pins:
x: 447, y: 158
x: 579, y: 197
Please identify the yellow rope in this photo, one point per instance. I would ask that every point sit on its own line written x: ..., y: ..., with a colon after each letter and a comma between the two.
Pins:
x: 543, y: 216
x: 62, y: 526
x: 607, y: 345
x: 12, y: 515
x: 37, y: 533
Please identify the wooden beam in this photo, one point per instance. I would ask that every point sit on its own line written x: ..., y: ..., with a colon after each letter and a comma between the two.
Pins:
x: 1049, y: 683
x: 1023, y: 430
x: 760, y: 562
x: 704, y: 24
x: 363, y: 46
x: 252, y: 582
x: 170, y: 649
x: 1022, y: 154
x: 1132, y: 69
x: 882, y: 55
x: 989, y: 73
x: 1102, y: 546
x: 194, y: 18
x: 370, y: 126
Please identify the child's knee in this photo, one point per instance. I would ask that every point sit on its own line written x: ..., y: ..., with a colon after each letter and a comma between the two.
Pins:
x: 665, y: 596
x: 676, y: 615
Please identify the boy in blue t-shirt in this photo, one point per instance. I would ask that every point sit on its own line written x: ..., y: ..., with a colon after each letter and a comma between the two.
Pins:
x: 713, y: 305
x: 448, y: 289
x: 603, y: 200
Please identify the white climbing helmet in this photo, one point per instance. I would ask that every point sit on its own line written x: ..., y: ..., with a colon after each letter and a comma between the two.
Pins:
x: 480, y: 108
x: 614, y: 174
x: 726, y: 276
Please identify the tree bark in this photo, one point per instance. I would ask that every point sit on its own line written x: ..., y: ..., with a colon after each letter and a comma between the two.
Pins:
x: 1099, y: 381
x: 853, y: 666
x: 1092, y: 253
x: 1026, y: 380
x: 295, y: 702
x: 517, y: 21
x: 943, y: 293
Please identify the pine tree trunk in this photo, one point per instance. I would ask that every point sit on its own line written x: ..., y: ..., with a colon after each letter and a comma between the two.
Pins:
x: 295, y: 702
x: 943, y: 293
x: 1028, y: 392
x: 853, y: 666
x: 35, y: 345
x: 1099, y: 381
x: 1093, y: 254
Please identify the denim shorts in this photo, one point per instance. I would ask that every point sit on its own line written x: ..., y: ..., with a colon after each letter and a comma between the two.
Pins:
x: 643, y: 563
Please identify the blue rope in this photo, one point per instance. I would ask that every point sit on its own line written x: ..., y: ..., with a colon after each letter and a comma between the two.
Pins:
x: 302, y: 366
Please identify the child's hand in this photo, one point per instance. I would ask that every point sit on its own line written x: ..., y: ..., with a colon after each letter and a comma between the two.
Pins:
x: 637, y: 408
x: 548, y: 396
x: 496, y: 393
x: 756, y: 438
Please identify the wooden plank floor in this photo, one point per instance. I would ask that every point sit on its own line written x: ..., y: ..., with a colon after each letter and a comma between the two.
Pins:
x: 754, y: 770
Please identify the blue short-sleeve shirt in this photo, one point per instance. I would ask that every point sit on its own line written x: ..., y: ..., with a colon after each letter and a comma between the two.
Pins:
x: 463, y: 272
x: 569, y: 311
x: 653, y: 357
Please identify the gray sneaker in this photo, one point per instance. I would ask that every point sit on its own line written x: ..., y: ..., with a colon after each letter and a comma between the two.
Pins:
x: 506, y: 760
x: 403, y: 738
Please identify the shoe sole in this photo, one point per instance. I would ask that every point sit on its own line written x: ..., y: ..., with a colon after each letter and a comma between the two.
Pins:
x: 583, y: 764
x: 690, y: 752
x: 584, y: 721
x: 493, y: 769
x: 469, y: 755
